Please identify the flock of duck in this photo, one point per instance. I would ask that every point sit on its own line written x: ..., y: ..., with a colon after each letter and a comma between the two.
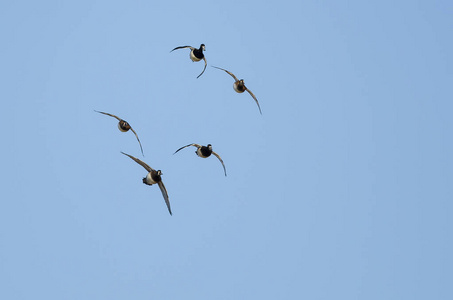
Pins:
x: 153, y: 176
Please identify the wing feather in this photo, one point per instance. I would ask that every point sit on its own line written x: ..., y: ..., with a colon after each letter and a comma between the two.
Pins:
x: 119, y: 119
x: 138, y: 140
x: 195, y: 145
x: 218, y: 156
x: 165, y: 194
x: 256, y: 100
x: 205, y: 64
x: 232, y: 75
x: 182, y: 47
x: 143, y: 164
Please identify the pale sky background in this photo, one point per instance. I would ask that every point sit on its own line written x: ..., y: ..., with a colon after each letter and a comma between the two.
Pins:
x: 342, y: 189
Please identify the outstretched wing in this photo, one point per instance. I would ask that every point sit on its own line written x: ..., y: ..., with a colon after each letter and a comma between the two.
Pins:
x: 205, y: 64
x: 195, y: 145
x: 218, y: 156
x: 165, y: 194
x: 182, y: 47
x: 119, y: 119
x: 232, y: 75
x: 143, y: 164
x: 138, y: 140
x: 256, y: 100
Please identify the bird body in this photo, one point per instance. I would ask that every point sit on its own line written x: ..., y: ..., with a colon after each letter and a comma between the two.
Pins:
x: 204, y: 152
x: 195, y: 54
x: 153, y: 177
x: 240, y: 87
x: 123, y: 126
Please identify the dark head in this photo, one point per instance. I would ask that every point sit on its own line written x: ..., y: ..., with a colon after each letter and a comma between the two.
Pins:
x: 202, y: 47
x: 209, y: 147
x: 156, y: 176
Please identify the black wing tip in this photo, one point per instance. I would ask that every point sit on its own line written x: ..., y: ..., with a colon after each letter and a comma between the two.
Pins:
x: 202, y: 72
x: 179, y: 47
x: 182, y: 148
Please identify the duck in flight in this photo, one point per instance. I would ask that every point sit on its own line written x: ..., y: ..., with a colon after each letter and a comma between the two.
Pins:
x: 195, y: 54
x: 204, y: 151
x: 123, y: 126
x: 240, y: 87
x: 153, y: 177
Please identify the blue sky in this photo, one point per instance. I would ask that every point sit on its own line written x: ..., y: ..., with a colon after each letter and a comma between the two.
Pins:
x: 340, y: 190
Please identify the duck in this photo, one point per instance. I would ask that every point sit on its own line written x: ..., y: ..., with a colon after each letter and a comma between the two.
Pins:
x: 240, y: 87
x: 153, y: 177
x: 195, y: 54
x: 204, y: 152
x: 123, y: 126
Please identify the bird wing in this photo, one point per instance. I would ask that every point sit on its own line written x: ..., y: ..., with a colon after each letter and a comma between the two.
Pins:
x: 119, y: 119
x: 182, y: 47
x: 195, y: 145
x: 256, y: 100
x: 232, y: 75
x: 205, y: 64
x: 165, y: 194
x: 143, y: 164
x: 218, y: 156
x: 138, y: 140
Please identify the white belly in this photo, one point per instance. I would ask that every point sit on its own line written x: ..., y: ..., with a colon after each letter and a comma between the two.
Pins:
x: 193, y: 57
x: 149, y: 179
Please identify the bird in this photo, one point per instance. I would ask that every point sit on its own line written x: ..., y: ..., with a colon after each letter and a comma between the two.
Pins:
x: 204, y: 152
x: 195, y: 54
x: 123, y: 126
x: 240, y: 87
x: 153, y: 177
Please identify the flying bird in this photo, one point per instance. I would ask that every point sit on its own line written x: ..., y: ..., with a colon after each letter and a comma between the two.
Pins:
x: 204, y: 151
x: 240, y: 87
x: 153, y: 177
x: 123, y: 126
x: 195, y: 54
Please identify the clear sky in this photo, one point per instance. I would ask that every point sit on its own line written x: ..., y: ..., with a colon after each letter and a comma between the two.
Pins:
x: 341, y: 189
